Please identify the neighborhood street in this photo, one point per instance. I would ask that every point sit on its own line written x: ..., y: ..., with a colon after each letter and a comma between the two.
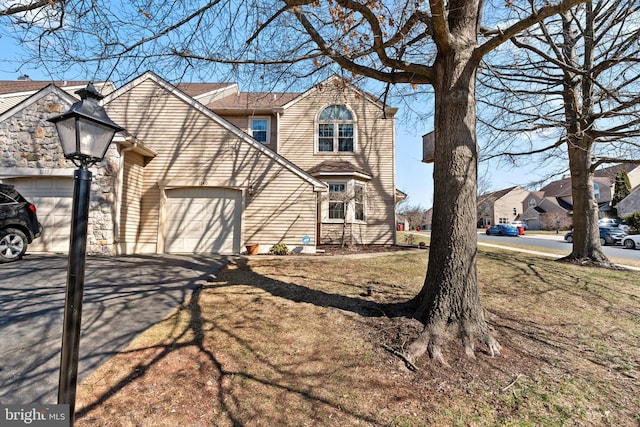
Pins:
x: 555, y: 242
x: 123, y: 296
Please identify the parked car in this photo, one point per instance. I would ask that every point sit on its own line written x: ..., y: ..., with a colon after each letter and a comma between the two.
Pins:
x: 608, y: 236
x: 625, y: 227
x: 502, y: 230
x: 520, y: 224
x: 631, y: 242
x: 611, y: 222
x: 607, y: 222
x: 18, y: 224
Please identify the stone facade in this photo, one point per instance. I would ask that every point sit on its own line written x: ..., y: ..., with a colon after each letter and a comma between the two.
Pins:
x: 29, y: 141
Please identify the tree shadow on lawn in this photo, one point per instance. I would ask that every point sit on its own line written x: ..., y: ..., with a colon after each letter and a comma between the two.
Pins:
x: 191, y: 335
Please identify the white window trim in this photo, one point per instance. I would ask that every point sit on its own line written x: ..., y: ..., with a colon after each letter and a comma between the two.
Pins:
x: 268, y: 120
x: 350, y: 185
x: 316, y: 147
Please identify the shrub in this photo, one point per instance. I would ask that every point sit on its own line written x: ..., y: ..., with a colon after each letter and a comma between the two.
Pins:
x: 279, y: 249
x: 633, y: 220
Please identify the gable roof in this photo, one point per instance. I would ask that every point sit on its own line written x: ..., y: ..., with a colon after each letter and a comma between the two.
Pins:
x: 562, y: 187
x: 35, y: 97
x: 149, y: 75
x: 492, y: 197
x: 338, y: 81
x: 559, y: 188
x: 196, y: 89
x: 612, y: 171
x: 206, y: 93
x: 253, y: 101
x: 13, y: 92
x: 18, y: 86
x: 268, y: 102
x: 122, y: 137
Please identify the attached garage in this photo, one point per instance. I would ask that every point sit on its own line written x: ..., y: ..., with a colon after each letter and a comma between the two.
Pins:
x: 203, y: 220
x: 53, y: 197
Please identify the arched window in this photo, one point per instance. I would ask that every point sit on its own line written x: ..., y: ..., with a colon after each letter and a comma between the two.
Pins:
x: 596, y: 190
x: 532, y: 202
x: 336, y: 130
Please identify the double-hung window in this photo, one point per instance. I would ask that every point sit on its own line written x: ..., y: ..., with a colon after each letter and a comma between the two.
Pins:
x: 336, y: 130
x: 259, y: 128
x: 337, y: 198
x: 346, y: 201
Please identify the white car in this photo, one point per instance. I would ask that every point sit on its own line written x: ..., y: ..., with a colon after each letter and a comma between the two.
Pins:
x: 607, y: 222
x: 632, y: 241
x: 520, y: 224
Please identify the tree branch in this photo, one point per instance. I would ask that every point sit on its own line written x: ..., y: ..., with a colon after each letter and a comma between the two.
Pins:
x: 21, y: 8
x: 523, y: 24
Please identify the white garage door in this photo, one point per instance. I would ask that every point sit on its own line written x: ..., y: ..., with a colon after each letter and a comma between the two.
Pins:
x: 53, y: 198
x: 204, y: 220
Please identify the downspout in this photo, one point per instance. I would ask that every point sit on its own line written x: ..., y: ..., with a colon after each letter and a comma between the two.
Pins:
x: 277, y: 132
x: 119, y: 192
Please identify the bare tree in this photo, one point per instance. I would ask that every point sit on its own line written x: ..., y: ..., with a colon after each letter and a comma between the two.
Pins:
x: 404, y: 45
x: 572, y: 85
x: 413, y: 213
x: 555, y: 220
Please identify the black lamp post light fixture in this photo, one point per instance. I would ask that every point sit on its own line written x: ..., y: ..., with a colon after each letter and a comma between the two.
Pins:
x: 85, y: 133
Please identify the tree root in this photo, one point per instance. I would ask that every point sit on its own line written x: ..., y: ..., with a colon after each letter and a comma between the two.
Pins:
x: 404, y: 358
x: 590, y: 262
x: 432, y: 342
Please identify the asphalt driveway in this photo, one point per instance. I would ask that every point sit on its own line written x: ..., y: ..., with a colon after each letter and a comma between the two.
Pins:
x: 123, y: 296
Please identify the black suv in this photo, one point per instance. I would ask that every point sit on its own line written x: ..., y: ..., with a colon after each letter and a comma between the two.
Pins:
x: 18, y: 224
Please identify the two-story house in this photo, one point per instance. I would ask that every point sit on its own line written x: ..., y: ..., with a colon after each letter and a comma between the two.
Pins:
x: 500, y: 207
x: 207, y: 168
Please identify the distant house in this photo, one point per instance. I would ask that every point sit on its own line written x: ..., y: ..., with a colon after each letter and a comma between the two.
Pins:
x: 500, y: 207
x: 553, y: 204
x: 206, y: 168
x: 630, y: 204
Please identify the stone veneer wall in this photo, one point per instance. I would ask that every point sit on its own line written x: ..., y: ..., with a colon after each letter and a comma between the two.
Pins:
x: 28, y: 141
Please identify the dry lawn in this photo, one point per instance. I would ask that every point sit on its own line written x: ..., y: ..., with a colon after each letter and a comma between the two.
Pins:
x: 296, y: 341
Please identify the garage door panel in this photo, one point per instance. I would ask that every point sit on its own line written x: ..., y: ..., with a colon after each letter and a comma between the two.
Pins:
x: 53, y: 198
x: 203, y: 220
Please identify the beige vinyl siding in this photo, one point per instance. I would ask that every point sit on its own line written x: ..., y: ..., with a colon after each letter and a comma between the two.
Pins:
x: 130, y: 211
x: 195, y: 151
x: 288, y: 220
x: 374, y: 154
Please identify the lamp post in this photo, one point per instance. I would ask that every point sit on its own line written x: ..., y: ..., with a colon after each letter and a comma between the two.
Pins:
x: 85, y: 133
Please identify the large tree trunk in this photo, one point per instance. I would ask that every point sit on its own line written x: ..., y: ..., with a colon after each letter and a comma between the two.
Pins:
x: 449, y: 301
x: 586, y: 233
x: 578, y: 105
